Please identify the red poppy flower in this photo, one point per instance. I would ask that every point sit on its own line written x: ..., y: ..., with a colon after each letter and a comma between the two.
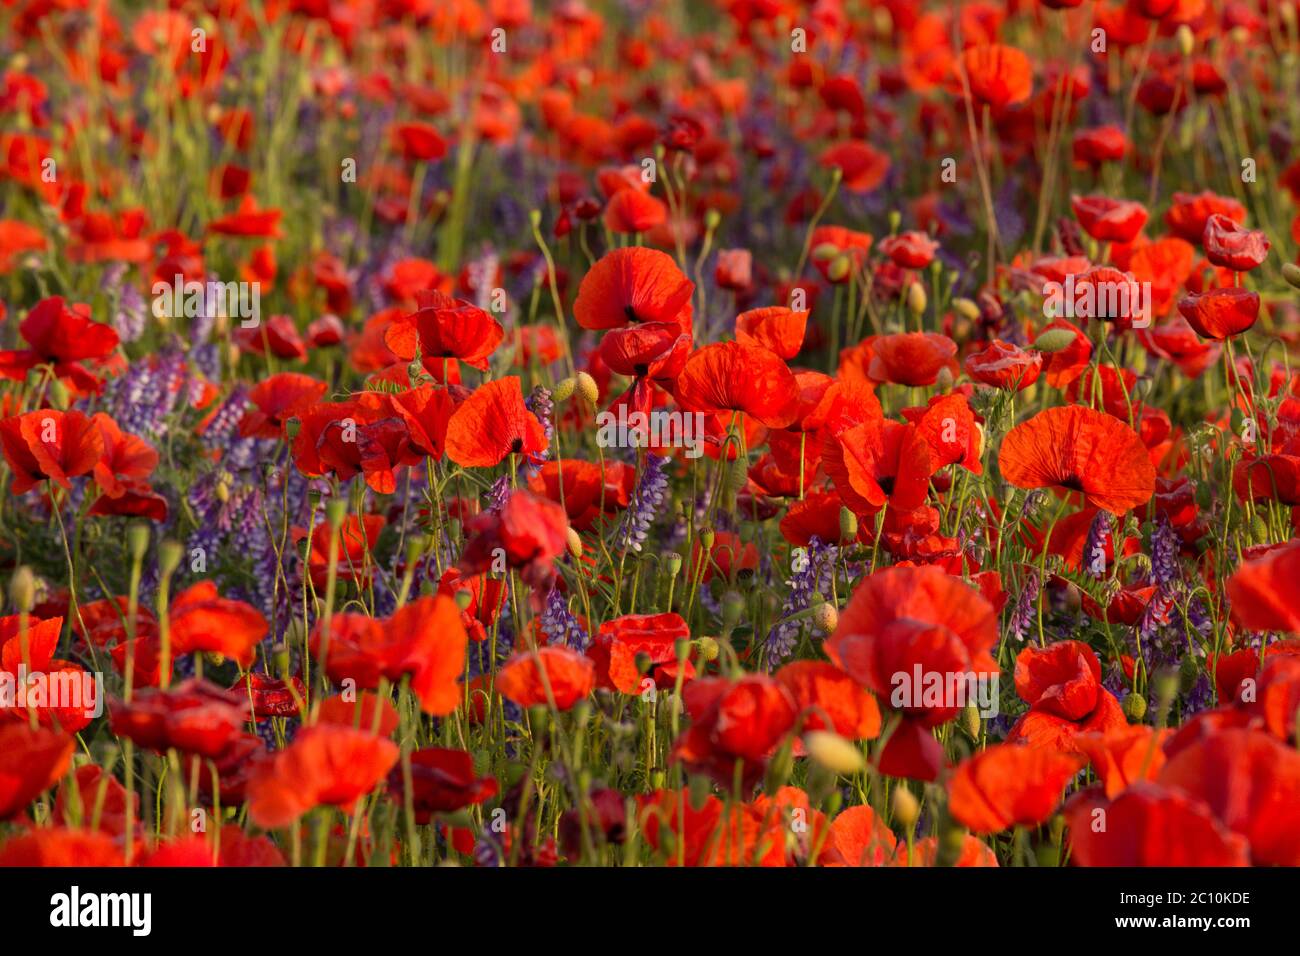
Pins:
x: 1124, y: 756
x: 632, y: 285
x: 90, y: 781
x: 1251, y: 782
x: 17, y: 237
x: 774, y: 327
x: 442, y: 781
x: 356, y: 539
x: 1062, y: 685
x: 1099, y: 144
x: 126, y: 457
x: 1188, y: 213
x: 419, y: 142
x: 999, y: 75
x: 631, y: 210
x: 530, y: 532
x: 910, y: 250
x: 486, y: 597
x: 732, y: 376
x: 1262, y: 590
x: 879, y: 462
x: 1005, y: 366
x: 61, y: 847
x: 1228, y: 245
x: 857, y: 837
x: 31, y: 761
x: 1006, y: 785
x: 862, y: 167
x: 445, y: 329
x: 734, y: 720
x: 64, y: 338
x: 249, y: 221
x: 1109, y: 220
x: 194, y: 717
x: 713, y: 834
x: 619, y: 642
x: 50, y: 444
x: 948, y: 425
x: 202, y: 621
x: 911, y: 358
x: 493, y: 423
x: 1150, y: 825
x: 325, y: 765
x: 1079, y: 449
x: 277, y: 399
x: 826, y: 698
x: 564, y: 677
x: 925, y: 852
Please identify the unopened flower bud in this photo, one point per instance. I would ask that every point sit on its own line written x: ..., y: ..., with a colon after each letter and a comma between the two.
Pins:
x: 839, y: 269
x: 588, y: 389
x: 826, y: 617
x: 1186, y: 39
x: 1135, y: 707
x: 137, y: 540
x: 22, y: 589
x: 824, y: 251
x: 169, y: 556
x: 905, y: 806
x: 564, y: 389
x: 336, y: 509
x: 709, y: 649
x: 834, y: 752
x: 966, y: 308
x: 733, y: 605
x: 916, y: 298
x: 574, y: 543
x: 848, y: 524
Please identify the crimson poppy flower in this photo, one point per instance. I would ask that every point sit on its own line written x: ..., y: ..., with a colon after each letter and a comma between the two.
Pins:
x: 61, y: 847
x: 857, y: 837
x: 619, y: 642
x: 827, y: 698
x: 17, y: 237
x: 63, y: 338
x: 424, y: 639
x: 910, y: 250
x: 277, y: 399
x: 911, y: 358
x: 1228, y: 245
x: 733, y: 269
x: 1189, y: 212
x: 728, y: 556
x: 491, y: 424
x: 127, y: 458
x: 1099, y: 144
x: 368, y: 711
x: 31, y: 761
x: 419, y: 142
x: 1251, y: 782
x: 712, y: 834
x: 1003, y: 365
x: 948, y: 425
x: 356, y: 539
x: 732, y: 376
x: 879, y: 462
x: 632, y: 211
x: 442, y: 781
x: 50, y: 444
x: 1062, y: 685
x: 249, y: 221
x: 90, y: 781
x: 774, y: 327
x: 1107, y: 219
x: 999, y: 75
x: 1005, y: 785
x: 202, y: 621
x: 1078, y: 449
x: 734, y: 720
x: 974, y: 852
x: 1268, y: 478
x: 1262, y: 590
x: 843, y: 245
x: 193, y: 717
x: 1150, y: 825
x: 486, y: 597
x: 445, y: 328
x: 1124, y: 756
x: 632, y: 285
x: 325, y: 765
x: 862, y: 166
x: 529, y: 532
x: 549, y: 675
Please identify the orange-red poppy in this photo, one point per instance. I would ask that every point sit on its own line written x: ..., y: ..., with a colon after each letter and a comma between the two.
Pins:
x: 563, y: 677
x: 632, y: 285
x: 493, y: 423
x: 1006, y: 785
x: 735, y: 377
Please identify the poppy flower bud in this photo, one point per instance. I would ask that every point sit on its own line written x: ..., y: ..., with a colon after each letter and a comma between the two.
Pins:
x: 292, y: 427
x: 1291, y: 273
x: 1186, y: 39
x: 672, y: 563
x: 564, y: 389
x: 464, y: 599
x: 970, y: 720
x: 1053, y: 340
x: 1135, y: 707
x: 539, y: 719
x: 952, y: 840
x: 848, y: 524
x: 831, y: 805
x: 839, y: 269
x: 1258, y: 528
x: 826, y: 617
x: 169, y: 556
x: 574, y: 543
x: 137, y: 540
x: 59, y: 397
x: 581, y: 714
x: 895, y: 220
x: 834, y: 752
x: 223, y: 489
x: 22, y: 589
x: 280, y: 654
x: 943, y: 379
x: 588, y: 389
x: 708, y: 649
x: 825, y: 251
x: 966, y: 308
x: 657, y: 779
x: 712, y: 218
x: 779, y: 770
x: 733, y: 605
x: 916, y: 298
x: 535, y: 217
x: 643, y: 662
x: 905, y: 806
x: 336, y: 509
x: 1166, y: 687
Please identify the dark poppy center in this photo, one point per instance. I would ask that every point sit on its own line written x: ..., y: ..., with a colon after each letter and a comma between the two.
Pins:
x: 631, y: 314
x: 886, y: 484
x: 640, y: 370
x: 1073, y: 483
x: 517, y: 446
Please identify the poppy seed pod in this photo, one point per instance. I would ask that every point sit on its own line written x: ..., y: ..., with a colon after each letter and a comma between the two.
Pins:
x: 588, y: 389
x: 1189, y: 671
x: 834, y: 752
x: 707, y: 537
x: 137, y: 540
x: 169, y: 556
x: 733, y: 605
x: 22, y: 589
x: 564, y: 389
x: 672, y: 563
x: 464, y: 599
x: 905, y: 806
x: 292, y: 427
x: 1135, y: 707
x: 826, y: 617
